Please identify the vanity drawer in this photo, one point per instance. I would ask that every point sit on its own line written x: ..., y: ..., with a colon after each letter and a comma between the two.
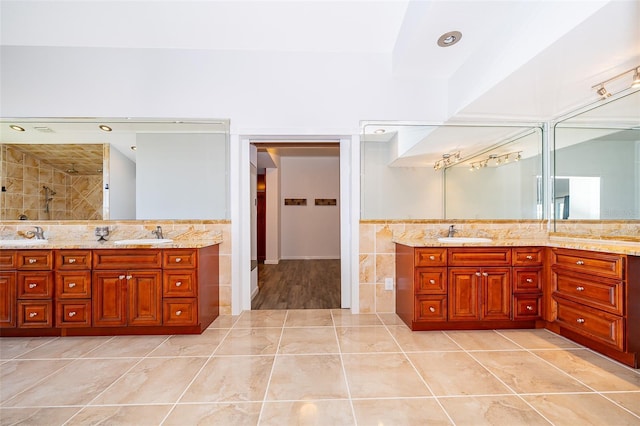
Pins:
x: 528, y: 256
x: 600, y: 293
x: 431, y: 281
x: 179, y: 258
x: 35, y: 285
x: 127, y: 259
x: 588, y: 262
x: 431, y: 257
x: 75, y: 313
x: 431, y: 308
x: 35, y: 314
x: 35, y: 260
x: 484, y: 256
x: 593, y: 323
x: 179, y: 283
x: 527, y: 279
x: 7, y: 260
x: 527, y: 307
x: 180, y: 311
x: 73, y: 284
x: 73, y: 259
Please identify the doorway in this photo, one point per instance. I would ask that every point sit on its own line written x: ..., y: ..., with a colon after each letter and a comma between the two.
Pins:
x: 297, y: 225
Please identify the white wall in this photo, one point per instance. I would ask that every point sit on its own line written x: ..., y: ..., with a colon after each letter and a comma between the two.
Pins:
x: 310, y: 232
x: 122, y: 186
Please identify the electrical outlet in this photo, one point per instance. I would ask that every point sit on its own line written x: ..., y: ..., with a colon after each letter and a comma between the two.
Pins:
x: 388, y: 283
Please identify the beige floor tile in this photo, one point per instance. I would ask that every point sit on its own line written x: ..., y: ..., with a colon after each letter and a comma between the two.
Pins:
x: 66, y: 347
x: 382, y: 376
x: 18, y: 376
x: 11, y: 347
x: 307, y: 413
x: 246, y: 341
x: 75, y: 384
x: 224, y: 321
x: 309, y: 318
x: 594, y: 370
x: 391, y: 319
x: 37, y: 416
x: 481, y: 340
x: 298, y: 377
x: 260, y: 319
x: 366, y: 339
x: 309, y: 340
x: 456, y: 373
x: 581, y: 409
x: 415, y: 411
x: 231, y: 378
x: 347, y: 319
x: 491, y: 411
x: 127, y: 346
x: 526, y: 373
x: 153, y: 380
x: 122, y: 415
x: 235, y: 413
x: 422, y: 341
x: 629, y: 400
x: 191, y: 344
x: 538, y: 339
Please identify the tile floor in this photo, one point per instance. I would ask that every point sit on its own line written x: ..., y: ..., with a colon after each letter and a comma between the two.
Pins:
x: 314, y: 367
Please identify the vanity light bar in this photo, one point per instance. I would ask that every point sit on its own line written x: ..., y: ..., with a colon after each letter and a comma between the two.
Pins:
x: 496, y: 159
x: 602, y: 91
x: 447, y: 160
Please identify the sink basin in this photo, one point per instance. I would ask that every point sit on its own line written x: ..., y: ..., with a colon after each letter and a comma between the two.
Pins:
x: 22, y: 242
x: 143, y: 241
x: 462, y: 240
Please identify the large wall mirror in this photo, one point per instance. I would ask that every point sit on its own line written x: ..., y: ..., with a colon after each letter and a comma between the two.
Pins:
x: 453, y: 171
x: 597, y: 163
x: 114, y: 169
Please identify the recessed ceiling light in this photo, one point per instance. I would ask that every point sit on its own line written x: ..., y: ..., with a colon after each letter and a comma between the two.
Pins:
x: 17, y: 128
x: 133, y: 147
x: 449, y: 39
x: 379, y: 131
x: 105, y: 128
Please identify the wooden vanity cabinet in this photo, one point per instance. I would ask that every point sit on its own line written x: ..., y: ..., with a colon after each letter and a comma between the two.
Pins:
x: 73, y: 288
x: 528, y: 270
x: 34, y: 282
x: 8, y: 289
x: 179, y: 288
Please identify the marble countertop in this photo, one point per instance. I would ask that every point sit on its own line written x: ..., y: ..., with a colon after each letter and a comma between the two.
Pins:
x: 51, y: 244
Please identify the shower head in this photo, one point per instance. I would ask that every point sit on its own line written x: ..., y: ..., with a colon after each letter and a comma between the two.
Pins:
x: 72, y: 170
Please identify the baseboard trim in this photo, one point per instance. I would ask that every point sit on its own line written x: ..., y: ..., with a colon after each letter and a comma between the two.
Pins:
x: 255, y: 292
x: 271, y: 262
x: 310, y: 258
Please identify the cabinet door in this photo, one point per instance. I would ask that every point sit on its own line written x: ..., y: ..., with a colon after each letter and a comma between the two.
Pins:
x: 496, y: 294
x: 463, y: 301
x: 109, y: 299
x: 8, y: 299
x: 144, y: 290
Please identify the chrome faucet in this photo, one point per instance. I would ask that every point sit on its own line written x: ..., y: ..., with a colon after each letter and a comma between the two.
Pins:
x: 158, y: 232
x: 452, y: 231
x: 39, y: 233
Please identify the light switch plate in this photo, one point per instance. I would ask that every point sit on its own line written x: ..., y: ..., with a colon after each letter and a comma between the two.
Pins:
x: 388, y: 283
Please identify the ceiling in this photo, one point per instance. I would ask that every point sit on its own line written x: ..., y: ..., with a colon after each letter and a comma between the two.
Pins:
x: 73, y: 159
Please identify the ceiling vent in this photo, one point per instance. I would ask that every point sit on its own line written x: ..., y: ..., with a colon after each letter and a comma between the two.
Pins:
x: 44, y: 129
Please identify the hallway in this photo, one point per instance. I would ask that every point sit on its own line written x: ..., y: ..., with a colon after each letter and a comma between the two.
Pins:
x: 299, y: 284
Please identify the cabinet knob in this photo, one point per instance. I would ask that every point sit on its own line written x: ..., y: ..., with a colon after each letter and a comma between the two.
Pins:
x: 33, y: 314
x: 72, y: 285
x: 178, y: 259
x: 178, y: 283
x: 580, y: 288
x: 121, y: 277
x: 529, y: 280
x: 178, y: 313
x: 485, y: 274
x: 72, y: 260
x: 33, y: 260
x: 477, y: 274
x: 72, y: 314
x: 580, y: 320
x: 33, y: 285
x: 580, y: 262
x: 529, y: 308
x: 432, y: 257
x: 129, y: 277
x: 529, y: 257
x: 432, y: 281
x: 432, y: 309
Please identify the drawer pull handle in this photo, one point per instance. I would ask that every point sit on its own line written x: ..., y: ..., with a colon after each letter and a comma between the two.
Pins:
x: 529, y: 257
x: 33, y: 260
x: 580, y: 288
x: 72, y: 285
x: 72, y: 314
x: 580, y: 262
x: 529, y: 308
x: 432, y: 309
x: 178, y: 259
x: 529, y: 280
x: 178, y: 313
x: 485, y: 274
x: 580, y: 320
x: 33, y: 314
x: 178, y: 283
x: 477, y: 274
x: 129, y: 277
x: 121, y: 277
x: 33, y: 285
x: 432, y: 281
x: 72, y: 260
x: 432, y: 257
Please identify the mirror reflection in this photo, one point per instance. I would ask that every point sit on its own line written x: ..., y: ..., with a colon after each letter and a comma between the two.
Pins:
x: 115, y: 169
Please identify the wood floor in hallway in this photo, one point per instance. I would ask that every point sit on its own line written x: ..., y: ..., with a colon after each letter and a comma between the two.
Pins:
x: 299, y: 284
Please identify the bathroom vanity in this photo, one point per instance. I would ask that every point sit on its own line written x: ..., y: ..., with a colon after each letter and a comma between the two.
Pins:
x: 65, y: 292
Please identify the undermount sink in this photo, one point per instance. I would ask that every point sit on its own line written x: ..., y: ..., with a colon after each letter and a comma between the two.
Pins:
x: 462, y: 240
x: 22, y: 242
x: 143, y: 241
